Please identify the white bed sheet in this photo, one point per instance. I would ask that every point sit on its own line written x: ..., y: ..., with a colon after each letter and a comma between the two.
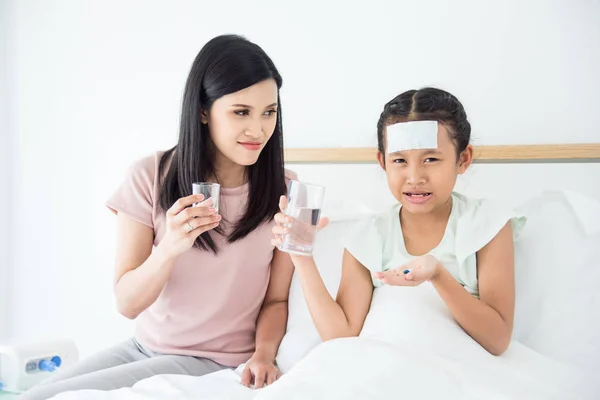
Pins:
x: 410, y: 347
x: 360, y: 368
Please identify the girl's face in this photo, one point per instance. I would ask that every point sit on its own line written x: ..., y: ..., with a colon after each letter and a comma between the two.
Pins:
x: 242, y: 123
x: 423, y: 180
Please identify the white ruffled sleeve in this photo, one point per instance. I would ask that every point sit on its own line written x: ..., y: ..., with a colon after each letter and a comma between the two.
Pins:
x: 366, y: 245
x: 480, y: 222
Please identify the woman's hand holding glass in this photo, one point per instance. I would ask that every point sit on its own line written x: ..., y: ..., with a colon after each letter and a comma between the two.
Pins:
x: 187, y: 219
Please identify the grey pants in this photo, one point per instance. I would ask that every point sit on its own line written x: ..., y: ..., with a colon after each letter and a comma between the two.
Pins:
x: 120, y: 366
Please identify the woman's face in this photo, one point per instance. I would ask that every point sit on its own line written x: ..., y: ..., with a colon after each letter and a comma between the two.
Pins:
x: 242, y: 123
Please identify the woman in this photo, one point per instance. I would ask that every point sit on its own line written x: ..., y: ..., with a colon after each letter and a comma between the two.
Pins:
x: 207, y: 289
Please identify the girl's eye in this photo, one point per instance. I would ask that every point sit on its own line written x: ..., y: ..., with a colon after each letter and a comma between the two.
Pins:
x: 399, y: 160
x: 270, y: 112
x: 431, y: 159
x: 242, y: 113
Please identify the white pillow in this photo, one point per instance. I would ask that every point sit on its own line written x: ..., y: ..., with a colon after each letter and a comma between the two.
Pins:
x: 557, y: 267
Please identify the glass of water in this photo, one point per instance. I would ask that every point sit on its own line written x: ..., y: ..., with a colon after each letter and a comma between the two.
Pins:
x: 209, y: 190
x: 304, y: 206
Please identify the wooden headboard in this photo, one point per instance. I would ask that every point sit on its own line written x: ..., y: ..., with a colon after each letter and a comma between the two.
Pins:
x: 587, y: 152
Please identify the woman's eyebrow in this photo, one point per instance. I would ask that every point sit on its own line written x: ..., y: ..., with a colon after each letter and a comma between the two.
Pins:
x: 249, y: 106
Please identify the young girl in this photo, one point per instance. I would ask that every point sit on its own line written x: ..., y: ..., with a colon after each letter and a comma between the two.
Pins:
x: 463, y: 246
x: 207, y: 289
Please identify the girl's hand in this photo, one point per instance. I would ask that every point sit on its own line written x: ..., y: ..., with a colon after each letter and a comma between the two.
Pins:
x: 285, y: 224
x: 187, y: 220
x: 417, y: 271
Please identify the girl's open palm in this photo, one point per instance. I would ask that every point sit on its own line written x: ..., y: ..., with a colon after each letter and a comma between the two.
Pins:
x: 415, y: 272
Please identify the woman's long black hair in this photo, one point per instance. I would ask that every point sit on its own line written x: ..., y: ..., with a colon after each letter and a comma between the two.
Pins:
x: 226, y: 64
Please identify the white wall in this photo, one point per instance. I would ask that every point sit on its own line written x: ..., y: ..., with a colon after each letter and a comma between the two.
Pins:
x: 4, y: 174
x: 98, y: 84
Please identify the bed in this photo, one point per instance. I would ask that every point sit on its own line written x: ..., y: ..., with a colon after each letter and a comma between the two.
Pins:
x: 410, y: 346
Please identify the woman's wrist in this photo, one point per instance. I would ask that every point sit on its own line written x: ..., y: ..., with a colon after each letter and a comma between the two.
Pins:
x: 264, y: 354
x: 164, y: 255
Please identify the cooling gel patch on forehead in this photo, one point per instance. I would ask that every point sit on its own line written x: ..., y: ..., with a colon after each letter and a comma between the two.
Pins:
x: 412, y: 135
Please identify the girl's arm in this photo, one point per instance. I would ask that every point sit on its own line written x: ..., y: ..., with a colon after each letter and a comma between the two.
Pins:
x: 489, y: 319
x: 337, y: 318
x: 344, y: 316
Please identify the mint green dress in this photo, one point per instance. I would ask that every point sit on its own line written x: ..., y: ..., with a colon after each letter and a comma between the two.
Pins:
x: 378, y: 243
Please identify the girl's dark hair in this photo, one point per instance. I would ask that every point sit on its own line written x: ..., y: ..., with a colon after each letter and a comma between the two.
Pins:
x: 226, y: 64
x: 427, y: 104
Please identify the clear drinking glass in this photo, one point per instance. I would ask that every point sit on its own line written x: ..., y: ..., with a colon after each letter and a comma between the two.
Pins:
x: 209, y: 190
x: 304, y: 205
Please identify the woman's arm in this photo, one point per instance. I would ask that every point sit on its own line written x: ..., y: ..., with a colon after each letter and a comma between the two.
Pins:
x: 271, y: 324
x: 272, y: 320
x: 489, y: 319
x: 140, y: 273
x: 346, y: 315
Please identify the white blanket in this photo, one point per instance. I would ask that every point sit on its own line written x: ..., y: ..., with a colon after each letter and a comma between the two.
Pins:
x: 410, y: 347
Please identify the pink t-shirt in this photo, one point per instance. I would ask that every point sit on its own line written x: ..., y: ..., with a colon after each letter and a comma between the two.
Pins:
x: 210, y: 304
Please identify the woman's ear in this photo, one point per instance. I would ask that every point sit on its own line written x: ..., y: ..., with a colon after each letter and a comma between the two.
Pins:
x: 204, y: 117
x: 381, y: 159
x: 465, y: 159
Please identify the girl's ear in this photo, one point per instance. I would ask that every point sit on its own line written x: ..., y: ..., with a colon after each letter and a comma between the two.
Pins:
x: 204, y: 117
x: 465, y: 159
x: 381, y: 159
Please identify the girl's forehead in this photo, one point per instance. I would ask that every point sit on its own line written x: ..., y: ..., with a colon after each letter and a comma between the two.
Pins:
x: 417, y: 135
x: 444, y: 139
